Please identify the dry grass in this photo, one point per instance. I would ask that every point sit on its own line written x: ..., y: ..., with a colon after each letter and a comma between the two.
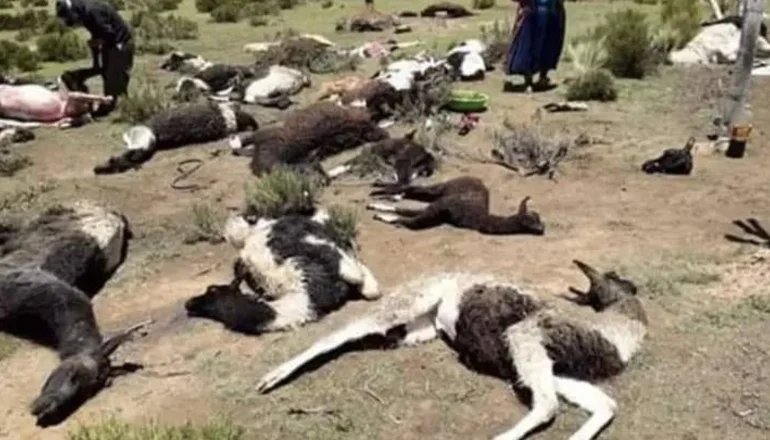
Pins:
x: 527, y: 149
x: 207, y: 222
x: 115, y: 430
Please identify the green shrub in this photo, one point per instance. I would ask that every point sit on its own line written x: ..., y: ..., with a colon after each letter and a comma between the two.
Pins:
x: 154, y: 47
x: 34, y: 3
x: 261, y: 8
x: 163, y: 5
x: 206, y: 6
x: 281, y: 191
x: 6, y: 4
x: 593, y: 85
x: 343, y: 226
x: 226, y: 13
x: 17, y: 56
x: 483, y: 4
x: 628, y: 43
x: 118, y: 4
x: 289, y: 4
x: 27, y: 19
x: 326, y: 4
x: 151, y: 26
x: 682, y: 18
x: 145, y: 98
x: 115, y: 430
x: 56, y: 47
x: 24, y: 35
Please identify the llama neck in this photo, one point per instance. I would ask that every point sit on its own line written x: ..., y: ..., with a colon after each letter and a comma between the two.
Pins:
x: 625, y: 333
x: 79, y: 333
x: 497, y: 224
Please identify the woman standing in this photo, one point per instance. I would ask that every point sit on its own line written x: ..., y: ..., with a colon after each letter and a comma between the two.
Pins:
x: 538, y: 39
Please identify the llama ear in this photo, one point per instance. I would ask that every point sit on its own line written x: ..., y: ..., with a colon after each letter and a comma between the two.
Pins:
x: 112, y: 344
x: 593, y: 275
x: 689, y: 145
x: 523, y: 205
x: 410, y: 135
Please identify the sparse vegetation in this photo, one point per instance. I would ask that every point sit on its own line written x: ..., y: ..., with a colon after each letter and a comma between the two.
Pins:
x: 307, y: 54
x: 628, y: 42
x: 528, y: 149
x: 154, y: 31
x: 26, y: 19
x: 593, y: 85
x: 7, y: 346
x: 12, y: 162
x: 497, y: 39
x: 280, y: 192
x: 145, y: 98
x: 6, y: 4
x: 680, y: 22
x: 17, y: 57
x: 483, y: 4
x: 115, y: 430
x: 752, y: 308
x: 207, y: 222
x: 61, y: 47
x: 343, y: 225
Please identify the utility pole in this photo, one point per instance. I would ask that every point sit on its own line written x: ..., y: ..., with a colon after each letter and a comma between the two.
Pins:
x: 738, y: 92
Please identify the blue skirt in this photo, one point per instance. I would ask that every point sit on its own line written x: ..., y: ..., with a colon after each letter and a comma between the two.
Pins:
x: 538, y: 39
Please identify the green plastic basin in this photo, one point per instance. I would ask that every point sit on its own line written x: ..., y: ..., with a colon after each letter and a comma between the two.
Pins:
x: 467, y: 101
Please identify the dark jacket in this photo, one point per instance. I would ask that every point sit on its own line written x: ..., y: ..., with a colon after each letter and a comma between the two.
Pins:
x: 99, y: 17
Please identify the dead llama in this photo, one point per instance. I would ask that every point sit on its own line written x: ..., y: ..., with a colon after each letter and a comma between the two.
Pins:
x: 296, y: 269
x: 462, y: 202
x: 501, y: 329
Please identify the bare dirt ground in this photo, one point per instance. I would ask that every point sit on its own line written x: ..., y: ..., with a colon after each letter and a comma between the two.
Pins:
x: 703, y: 373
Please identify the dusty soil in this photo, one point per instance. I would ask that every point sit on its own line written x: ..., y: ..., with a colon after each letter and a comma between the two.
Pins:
x: 702, y: 375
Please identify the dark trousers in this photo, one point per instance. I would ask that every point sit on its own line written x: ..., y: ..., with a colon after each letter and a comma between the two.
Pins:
x: 113, y: 64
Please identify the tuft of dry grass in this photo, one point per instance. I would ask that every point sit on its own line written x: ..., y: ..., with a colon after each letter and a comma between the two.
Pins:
x: 306, y: 54
x: 280, y: 192
x: 343, y: 226
x: 115, y: 430
x: 207, y: 222
x: 12, y: 162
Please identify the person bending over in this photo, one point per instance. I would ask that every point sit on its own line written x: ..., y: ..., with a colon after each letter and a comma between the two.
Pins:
x: 112, y: 48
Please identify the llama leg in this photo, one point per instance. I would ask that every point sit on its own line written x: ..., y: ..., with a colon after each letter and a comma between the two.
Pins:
x: 590, y: 398
x: 535, y: 370
x: 420, y: 330
x: 338, y: 171
x: 352, y: 332
x: 381, y: 207
x: 426, y: 218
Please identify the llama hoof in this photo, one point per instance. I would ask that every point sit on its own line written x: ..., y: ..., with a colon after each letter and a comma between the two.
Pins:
x: 380, y: 207
x: 387, y: 218
x: 272, y: 379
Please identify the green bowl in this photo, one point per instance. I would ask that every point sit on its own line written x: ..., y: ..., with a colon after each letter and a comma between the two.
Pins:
x: 467, y: 101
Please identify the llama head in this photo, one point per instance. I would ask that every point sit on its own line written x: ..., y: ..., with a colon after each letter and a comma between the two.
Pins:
x: 76, y: 379
x: 606, y: 289
x: 178, y: 59
x: 528, y: 221
x: 139, y: 137
x: 225, y: 303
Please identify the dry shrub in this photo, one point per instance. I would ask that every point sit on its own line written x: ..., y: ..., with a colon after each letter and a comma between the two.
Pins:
x: 525, y: 148
x: 343, y: 226
x: 367, y: 164
x: 145, y: 98
x: 280, y: 192
x: 426, y: 97
x: 497, y: 38
x: 207, y: 223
